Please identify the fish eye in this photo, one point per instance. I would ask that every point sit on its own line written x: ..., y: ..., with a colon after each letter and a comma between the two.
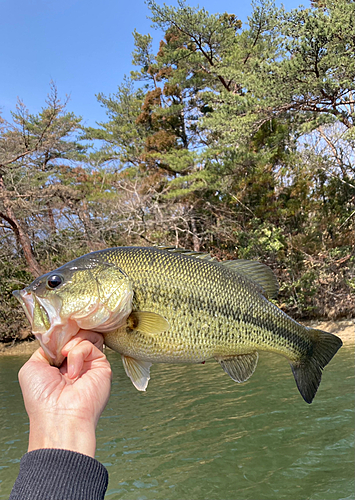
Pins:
x: 54, y: 281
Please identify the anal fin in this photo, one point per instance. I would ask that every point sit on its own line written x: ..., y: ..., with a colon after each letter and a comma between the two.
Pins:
x: 138, y: 371
x: 239, y: 367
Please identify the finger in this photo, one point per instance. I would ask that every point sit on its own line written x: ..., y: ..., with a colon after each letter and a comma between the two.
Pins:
x: 64, y: 367
x: 78, y: 355
x: 93, y: 337
x: 37, y: 357
x: 36, y: 364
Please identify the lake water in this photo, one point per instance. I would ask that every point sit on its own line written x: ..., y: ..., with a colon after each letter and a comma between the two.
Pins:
x: 197, y: 435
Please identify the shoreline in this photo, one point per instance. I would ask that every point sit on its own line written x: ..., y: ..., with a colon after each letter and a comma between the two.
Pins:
x: 343, y: 328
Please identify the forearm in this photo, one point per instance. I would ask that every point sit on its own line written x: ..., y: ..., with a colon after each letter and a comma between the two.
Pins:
x: 63, y: 433
x: 63, y: 409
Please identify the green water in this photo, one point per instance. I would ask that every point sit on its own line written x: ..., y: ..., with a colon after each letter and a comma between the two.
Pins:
x: 197, y: 435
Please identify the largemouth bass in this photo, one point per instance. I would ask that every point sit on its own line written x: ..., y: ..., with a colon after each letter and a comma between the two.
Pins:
x: 171, y: 306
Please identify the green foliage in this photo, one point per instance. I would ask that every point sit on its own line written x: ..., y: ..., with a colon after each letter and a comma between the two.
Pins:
x: 261, y: 241
x: 234, y: 140
x: 251, y: 130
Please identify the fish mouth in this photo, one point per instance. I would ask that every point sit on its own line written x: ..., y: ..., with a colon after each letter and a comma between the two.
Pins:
x: 26, y: 301
x: 47, y: 325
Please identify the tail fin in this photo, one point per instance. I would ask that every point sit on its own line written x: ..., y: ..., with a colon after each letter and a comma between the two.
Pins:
x: 308, y: 372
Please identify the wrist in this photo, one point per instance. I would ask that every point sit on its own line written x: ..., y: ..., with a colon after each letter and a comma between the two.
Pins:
x: 67, y: 432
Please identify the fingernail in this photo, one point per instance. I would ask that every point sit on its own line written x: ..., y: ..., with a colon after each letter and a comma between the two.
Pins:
x: 71, y: 371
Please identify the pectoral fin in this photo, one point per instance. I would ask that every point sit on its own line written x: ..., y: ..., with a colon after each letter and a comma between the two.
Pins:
x: 138, y: 371
x: 240, y: 367
x: 147, y: 322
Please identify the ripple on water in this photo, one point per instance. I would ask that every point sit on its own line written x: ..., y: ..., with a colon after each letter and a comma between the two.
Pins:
x: 197, y: 435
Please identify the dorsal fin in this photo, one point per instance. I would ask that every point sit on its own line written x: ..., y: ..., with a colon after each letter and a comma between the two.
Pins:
x: 257, y: 272
x: 191, y: 253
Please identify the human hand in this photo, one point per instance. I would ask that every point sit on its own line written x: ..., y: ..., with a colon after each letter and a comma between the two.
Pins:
x: 64, y: 404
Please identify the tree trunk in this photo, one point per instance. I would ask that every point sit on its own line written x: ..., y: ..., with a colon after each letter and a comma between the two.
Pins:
x: 51, y: 219
x: 195, y: 238
x: 84, y: 216
x: 20, y: 234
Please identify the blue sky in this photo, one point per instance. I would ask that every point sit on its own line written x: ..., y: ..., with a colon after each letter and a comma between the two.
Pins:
x: 83, y: 46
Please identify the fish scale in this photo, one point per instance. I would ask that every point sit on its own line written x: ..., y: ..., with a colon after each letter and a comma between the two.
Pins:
x: 172, y: 282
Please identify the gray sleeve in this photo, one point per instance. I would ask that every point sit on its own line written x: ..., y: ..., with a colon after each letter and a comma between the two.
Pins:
x: 54, y: 474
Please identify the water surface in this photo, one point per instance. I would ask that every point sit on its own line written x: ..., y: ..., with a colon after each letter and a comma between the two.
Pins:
x: 197, y: 435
